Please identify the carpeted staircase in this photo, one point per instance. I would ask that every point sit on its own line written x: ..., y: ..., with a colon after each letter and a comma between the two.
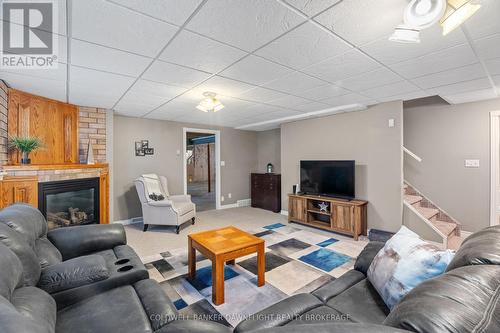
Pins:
x: 443, y: 224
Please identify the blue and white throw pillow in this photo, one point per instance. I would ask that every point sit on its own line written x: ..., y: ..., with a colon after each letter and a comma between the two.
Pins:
x: 405, y: 261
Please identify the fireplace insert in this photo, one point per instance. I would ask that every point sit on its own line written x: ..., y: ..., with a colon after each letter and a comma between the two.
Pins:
x: 69, y: 202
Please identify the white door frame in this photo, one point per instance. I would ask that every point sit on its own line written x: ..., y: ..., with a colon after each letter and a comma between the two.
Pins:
x: 185, y: 130
x: 494, y: 164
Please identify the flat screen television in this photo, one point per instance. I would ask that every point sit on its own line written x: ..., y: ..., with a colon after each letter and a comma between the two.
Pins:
x: 328, y: 178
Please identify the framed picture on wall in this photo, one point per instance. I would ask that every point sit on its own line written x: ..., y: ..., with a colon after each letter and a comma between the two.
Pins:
x: 145, y: 144
x: 139, y: 152
x: 138, y: 145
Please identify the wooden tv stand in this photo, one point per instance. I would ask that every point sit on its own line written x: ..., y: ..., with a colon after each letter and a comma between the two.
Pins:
x: 342, y: 216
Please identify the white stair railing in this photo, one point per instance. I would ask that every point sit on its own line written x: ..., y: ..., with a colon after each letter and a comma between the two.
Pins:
x: 412, y: 154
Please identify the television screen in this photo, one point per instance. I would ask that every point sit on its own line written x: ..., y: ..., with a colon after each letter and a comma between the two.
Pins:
x: 328, y: 178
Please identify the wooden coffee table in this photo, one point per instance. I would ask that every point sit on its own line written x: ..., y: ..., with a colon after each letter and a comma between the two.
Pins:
x: 224, y: 246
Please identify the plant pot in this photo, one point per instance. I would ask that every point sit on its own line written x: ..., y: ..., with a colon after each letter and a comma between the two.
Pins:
x: 25, y: 158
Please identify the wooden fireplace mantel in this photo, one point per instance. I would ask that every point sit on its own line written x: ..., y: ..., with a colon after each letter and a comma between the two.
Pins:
x: 19, y: 183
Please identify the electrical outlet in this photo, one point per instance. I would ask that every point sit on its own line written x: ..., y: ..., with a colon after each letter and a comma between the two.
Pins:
x: 229, y: 195
x: 392, y: 122
x: 222, y: 163
x: 472, y: 163
x: 222, y: 198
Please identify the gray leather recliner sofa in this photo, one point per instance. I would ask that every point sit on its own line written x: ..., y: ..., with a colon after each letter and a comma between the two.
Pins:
x: 464, y: 299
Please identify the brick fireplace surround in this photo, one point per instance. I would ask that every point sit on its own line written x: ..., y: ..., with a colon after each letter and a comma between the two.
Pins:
x: 25, y: 178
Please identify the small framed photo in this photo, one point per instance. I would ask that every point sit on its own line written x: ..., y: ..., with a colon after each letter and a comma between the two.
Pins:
x: 145, y: 144
x: 149, y: 151
x: 139, y: 152
x: 138, y: 145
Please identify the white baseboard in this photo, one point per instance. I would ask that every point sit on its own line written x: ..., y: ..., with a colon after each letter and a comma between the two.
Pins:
x: 129, y: 221
x: 235, y: 205
x: 284, y: 212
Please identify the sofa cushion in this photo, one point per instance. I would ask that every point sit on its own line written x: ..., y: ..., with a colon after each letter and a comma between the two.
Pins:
x: 35, y: 305
x: 11, y: 321
x: 405, y: 261
x: 361, y: 303
x: 11, y: 271
x: 321, y: 314
x: 73, y: 273
x: 480, y: 248
x: 47, y: 253
x: 466, y: 299
x: 365, y: 258
x: 26, y: 220
x: 184, y: 207
x: 338, y: 286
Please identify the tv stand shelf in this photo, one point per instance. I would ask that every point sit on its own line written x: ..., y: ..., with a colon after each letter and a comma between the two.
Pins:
x: 342, y: 216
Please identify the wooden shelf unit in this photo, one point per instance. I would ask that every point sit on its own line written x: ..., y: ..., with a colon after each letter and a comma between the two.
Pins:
x: 342, y: 216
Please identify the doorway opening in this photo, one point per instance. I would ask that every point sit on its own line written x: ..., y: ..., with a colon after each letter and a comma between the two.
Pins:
x: 495, y: 168
x: 201, y: 172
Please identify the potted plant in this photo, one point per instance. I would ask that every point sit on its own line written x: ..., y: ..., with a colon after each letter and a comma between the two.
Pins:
x: 25, y: 145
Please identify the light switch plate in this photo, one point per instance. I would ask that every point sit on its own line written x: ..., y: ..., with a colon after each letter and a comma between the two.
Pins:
x: 392, y: 123
x: 222, y: 163
x: 472, y: 163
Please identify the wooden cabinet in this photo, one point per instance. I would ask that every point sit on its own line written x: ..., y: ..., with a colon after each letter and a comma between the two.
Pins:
x: 53, y: 122
x: 266, y: 191
x: 104, y: 197
x: 19, y: 190
x: 346, y: 217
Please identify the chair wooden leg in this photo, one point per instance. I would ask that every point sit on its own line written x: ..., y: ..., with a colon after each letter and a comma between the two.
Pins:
x: 177, y: 229
x: 145, y: 227
x: 193, y: 220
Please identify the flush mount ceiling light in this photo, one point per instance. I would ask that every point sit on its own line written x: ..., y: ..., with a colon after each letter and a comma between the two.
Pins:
x: 210, y: 103
x: 422, y: 14
x: 405, y: 34
x: 458, y: 12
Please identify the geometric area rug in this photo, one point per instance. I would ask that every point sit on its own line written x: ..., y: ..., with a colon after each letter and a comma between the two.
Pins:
x: 297, y: 261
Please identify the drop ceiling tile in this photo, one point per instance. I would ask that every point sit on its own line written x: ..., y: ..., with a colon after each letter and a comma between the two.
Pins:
x: 60, y: 42
x: 311, y: 107
x: 175, y: 108
x: 485, y: 22
x: 488, y: 47
x: 172, y: 11
x: 201, y: 53
x: 262, y: 95
x: 104, y: 23
x: 323, y: 92
x: 361, y: 21
x: 174, y: 74
x: 392, y: 89
x: 242, y: 23
x: 454, y: 57
x: 304, y: 46
x: 372, y: 79
x: 289, y: 101
x: 493, y: 66
x: 221, y: 86
x: 471, y: 96
x: 462, y: 87
x: 57, y: 74
x: 450, y: 76
x: 37, y: 85
x: 312, y: 7
x: 406, y: 96
x: 255, y: 70
x: 343, y: 66
x: 352, y: 98
x: 294, y: 83
x: 105, y: 59
x: 432, y: 40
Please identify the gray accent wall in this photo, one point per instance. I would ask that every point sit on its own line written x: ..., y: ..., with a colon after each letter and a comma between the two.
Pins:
x: 444, y: 136
x: 238, y: 151
x: 269, y: 150
x: 363, y: 136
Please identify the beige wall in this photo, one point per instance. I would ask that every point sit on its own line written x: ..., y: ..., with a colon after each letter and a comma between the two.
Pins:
x: 363, y: 136
x: 269, y: 150
x: 238, y: 150
x: 444, y: 136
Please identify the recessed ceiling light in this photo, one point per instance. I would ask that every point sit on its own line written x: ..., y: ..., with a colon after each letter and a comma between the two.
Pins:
x: 458, y: 12
x: 405, y: 34
x: 210, y: 103
x: 422, y: 14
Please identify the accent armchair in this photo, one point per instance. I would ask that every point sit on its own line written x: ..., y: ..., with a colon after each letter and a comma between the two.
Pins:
x: 171, y: 210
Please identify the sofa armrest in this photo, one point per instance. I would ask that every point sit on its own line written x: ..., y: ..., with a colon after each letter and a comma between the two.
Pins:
x: 194, y: 326
x: 334, y: 328
x: 162, y: 203
x: 73, y: 273
x: 81, y: 240
x: 180, y: 197
x: 338, y: 286
x: 366, y: 256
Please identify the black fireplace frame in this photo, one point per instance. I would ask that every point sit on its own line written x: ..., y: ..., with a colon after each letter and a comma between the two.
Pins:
x: 67, y: 185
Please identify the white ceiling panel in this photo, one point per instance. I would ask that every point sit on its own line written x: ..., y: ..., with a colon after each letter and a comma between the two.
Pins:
x: 458, y: 56
x: 493, y: 66
x: 457, y: 88
x: 323, y: 92
x: 106, y: 59
x: 311, y: 7
x: 304, y: 46
x: 431, y: 40
x: 312, y: 106
x: 255, y: 70
x: 451, y: 76
x: 173, y: 109
x: 242, y: 23
x: 58, y: 74
x: 174, y: 74
x: 54, y: 89
x: 343, y: 66
x: 221, y: 86
x: 260, y: 109
x: 289, y: 101
x: 392, y: 89
x: 104, y: 23
x: 372, y: 79
x: 295, y: 83
x: 470, y: 96
x: 352, y: 98
x: 201, y: 53
x: 362, y: 21
x: 488, y: 47
x: 406, y: 96
x: 485, y: 22
x: 172, y: 11
x: 262, y: 95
